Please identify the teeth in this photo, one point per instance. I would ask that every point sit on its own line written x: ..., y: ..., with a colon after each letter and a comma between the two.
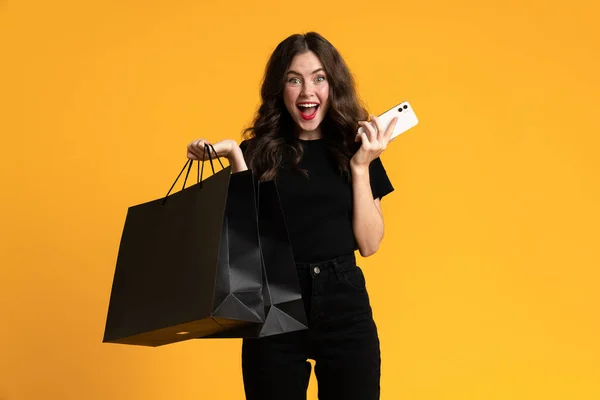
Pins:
x: 308, y: 105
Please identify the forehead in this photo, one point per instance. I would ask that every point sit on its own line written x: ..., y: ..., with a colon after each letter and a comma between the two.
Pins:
x: 305, y: 63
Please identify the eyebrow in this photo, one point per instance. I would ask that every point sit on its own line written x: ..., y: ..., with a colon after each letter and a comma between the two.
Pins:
x: 312, y: 73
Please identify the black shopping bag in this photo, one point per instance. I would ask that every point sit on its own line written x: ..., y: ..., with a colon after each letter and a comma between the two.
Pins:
x: 284, y: 306
x: 189, y: 265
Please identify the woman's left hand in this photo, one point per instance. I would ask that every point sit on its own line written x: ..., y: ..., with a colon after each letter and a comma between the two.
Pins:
x: 374, y: 141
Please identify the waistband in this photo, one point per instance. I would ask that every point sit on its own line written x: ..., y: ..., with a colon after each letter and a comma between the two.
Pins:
x: 345, y: 261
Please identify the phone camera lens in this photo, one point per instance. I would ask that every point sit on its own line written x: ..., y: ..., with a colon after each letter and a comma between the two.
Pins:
x: 400, y: 110
x: 405, y: 106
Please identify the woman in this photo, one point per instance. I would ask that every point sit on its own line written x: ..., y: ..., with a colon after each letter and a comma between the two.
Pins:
x: 331, y: 181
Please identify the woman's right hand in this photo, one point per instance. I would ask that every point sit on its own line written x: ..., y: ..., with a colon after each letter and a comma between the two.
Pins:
x: 224, y: 148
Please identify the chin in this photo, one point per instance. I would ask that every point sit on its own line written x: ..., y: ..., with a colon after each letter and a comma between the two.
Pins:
x: 309, y: 126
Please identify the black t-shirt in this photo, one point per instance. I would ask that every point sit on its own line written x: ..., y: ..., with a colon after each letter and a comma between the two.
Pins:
x: 318, y: 209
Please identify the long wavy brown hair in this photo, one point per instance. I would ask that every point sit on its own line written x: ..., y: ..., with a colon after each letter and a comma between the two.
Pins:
x: 272, y: 131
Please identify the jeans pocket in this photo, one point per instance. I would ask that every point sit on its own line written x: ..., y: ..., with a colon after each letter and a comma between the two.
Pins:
x: 355, y: 279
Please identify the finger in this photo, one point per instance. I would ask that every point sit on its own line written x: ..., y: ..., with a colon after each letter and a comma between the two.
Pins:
x: 201, y: 146
x: 191, y: 151
x: 374, y: 131
x: 362, y: 136
x: 380, y: 130
x: 192, y: 145
x: 374, y: 135
x: 390, y: 129
x: 362, y: 126
x: 197, y: 147
x: 365, y: 140
x: 200, y: 143
x: 368, y: 129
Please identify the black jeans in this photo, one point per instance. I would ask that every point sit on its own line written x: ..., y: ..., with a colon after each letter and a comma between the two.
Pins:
x: 342, y: 339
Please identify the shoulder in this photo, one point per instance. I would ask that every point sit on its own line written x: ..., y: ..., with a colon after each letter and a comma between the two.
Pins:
x: 244, y: 144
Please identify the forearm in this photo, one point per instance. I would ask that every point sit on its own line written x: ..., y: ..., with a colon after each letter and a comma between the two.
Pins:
x: 236, y: 160
x: 367, y: 221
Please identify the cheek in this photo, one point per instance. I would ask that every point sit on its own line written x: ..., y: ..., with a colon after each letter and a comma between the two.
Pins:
x: 324, y: 94
x: 289, y: 97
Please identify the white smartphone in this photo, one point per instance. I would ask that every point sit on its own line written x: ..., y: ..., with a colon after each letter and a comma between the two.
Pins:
x: 406, y: 119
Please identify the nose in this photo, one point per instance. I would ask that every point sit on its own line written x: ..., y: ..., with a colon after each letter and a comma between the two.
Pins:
x: 307, y: 89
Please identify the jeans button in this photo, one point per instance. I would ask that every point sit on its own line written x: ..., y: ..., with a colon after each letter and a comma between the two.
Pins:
x: 317, y: 270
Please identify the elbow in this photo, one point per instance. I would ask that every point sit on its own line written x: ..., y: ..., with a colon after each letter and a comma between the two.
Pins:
x: 369, y: 242
x: 368, y: 251
x: 365, y: 254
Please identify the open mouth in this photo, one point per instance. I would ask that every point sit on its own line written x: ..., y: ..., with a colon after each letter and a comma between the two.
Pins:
x: 308, y: 110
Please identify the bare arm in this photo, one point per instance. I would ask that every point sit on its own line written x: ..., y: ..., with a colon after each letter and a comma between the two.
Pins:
x: 367, y: 217
x: 236, y: 160
x: 225, y: 148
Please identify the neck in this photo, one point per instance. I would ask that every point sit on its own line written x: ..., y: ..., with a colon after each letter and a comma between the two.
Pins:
x: 309, y: 135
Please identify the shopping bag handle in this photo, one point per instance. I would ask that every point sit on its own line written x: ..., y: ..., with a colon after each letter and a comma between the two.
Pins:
x: 188, y: 164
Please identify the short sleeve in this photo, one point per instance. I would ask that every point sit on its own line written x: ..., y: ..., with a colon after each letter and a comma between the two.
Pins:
x: 380, y: 182
x: 244, y: 145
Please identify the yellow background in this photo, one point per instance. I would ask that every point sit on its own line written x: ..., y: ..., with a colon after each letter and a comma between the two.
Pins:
x: 486, y: 285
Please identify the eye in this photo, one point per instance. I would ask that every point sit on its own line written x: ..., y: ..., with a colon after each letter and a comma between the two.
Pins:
x: 294, y: 80
x: 320, y: 78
